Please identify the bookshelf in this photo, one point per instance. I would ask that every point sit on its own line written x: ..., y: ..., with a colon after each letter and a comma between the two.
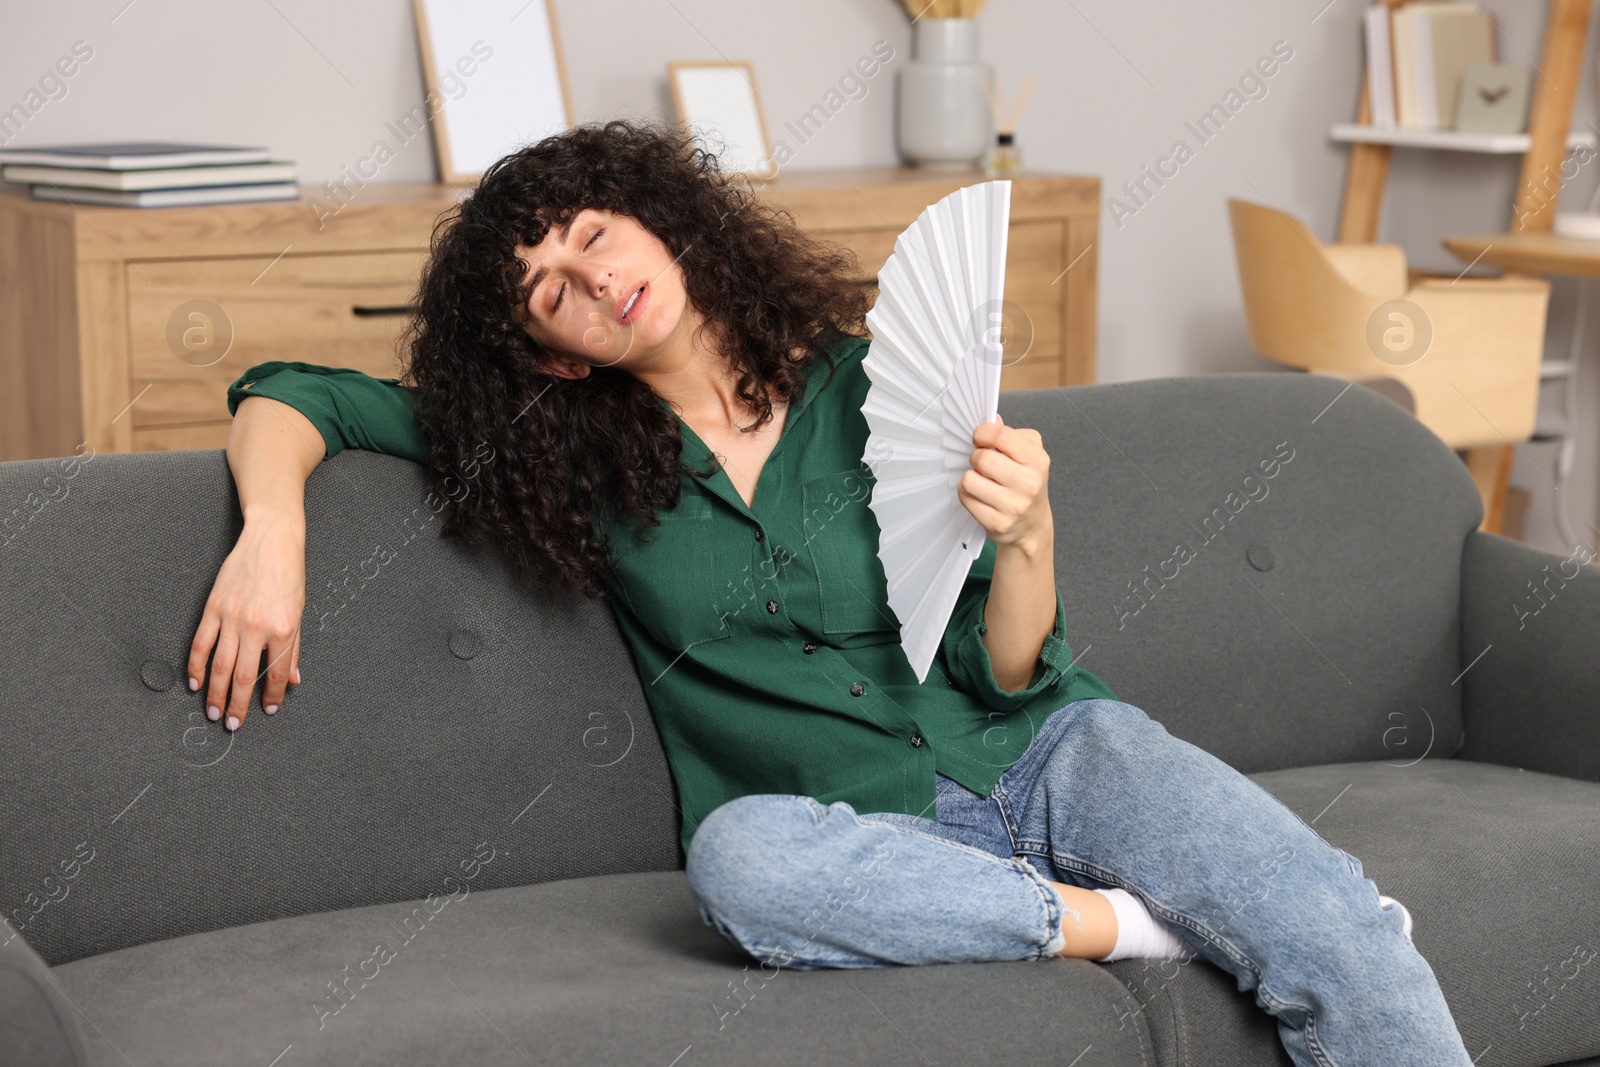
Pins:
x: 1502, y: 144
x: 1548, y: 136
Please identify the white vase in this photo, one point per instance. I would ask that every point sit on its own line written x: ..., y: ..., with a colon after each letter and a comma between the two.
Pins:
x: 943, y: 115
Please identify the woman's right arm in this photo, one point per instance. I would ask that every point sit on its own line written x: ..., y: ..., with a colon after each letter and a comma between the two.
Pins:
x: 296, y: 415
x: 260, y: 593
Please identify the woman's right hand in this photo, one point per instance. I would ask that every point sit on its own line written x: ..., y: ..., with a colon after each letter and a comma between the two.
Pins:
x: 255, y: 605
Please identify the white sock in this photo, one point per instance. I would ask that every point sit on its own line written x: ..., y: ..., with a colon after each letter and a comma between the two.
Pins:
x: 1384, y: 902
x: 1139, y: 935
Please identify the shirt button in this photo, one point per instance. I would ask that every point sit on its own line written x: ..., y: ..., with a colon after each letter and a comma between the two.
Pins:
x: 772, y: 607
x: 857, y: 689
x: 810, y: 647
x: 916, y: 740
x: 759, y: 535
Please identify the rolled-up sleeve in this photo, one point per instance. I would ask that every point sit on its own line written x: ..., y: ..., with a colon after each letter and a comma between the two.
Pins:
x: 967, y: 657
x: 351, y: 409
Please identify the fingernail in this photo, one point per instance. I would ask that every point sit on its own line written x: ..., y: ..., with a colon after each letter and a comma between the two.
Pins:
x: 213, y: 714
x: 233, y: 722
x: 297, y: 676
x: 272, y: 709
x: 194, y: 683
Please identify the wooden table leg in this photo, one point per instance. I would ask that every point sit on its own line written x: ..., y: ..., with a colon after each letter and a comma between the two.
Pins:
x: 1491, y: 469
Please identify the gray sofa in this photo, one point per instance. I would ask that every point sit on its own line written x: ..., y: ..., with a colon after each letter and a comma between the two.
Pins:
x: 457, y: 842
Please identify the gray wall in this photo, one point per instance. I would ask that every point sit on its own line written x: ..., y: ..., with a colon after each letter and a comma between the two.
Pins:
x: 317, y: 81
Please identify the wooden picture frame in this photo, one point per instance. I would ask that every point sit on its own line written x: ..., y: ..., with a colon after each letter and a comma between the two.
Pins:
x: 718, y: 100
x: 496, y: 80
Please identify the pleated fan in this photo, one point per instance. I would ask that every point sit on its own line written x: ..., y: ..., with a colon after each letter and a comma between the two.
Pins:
x: 934, y: 364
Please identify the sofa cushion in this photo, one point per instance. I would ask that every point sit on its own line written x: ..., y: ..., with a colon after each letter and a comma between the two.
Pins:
x: 1498, y: 869
x: 1495, y: 864
x: 612, y: 969
x: 38, y: 1025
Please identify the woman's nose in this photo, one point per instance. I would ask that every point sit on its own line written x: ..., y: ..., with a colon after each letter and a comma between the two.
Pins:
x: 597, y: 277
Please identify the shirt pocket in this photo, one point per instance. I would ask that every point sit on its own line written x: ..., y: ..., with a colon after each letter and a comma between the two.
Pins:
x: 841, y: 534
x: 670, y: 581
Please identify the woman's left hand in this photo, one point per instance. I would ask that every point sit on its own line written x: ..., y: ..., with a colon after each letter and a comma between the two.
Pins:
x: 1007, y: 489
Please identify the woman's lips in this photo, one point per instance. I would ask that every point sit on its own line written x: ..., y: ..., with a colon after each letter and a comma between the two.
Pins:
x: 638, y: 305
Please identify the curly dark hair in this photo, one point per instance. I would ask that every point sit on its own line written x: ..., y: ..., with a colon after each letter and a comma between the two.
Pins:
x: 563, y: 452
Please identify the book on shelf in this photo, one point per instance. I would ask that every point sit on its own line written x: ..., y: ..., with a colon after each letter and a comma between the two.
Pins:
x: 1416, y: 55
x: 1380, y: 71
x: 202, y: 194
x: 153, y: 178
x: 132, y: 155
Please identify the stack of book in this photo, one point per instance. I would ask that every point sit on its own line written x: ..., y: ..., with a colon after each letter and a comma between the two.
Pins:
x: 1416, y: 55
x: 149, y: 174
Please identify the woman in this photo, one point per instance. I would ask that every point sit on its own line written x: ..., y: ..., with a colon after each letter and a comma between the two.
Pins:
x: 612, y: 338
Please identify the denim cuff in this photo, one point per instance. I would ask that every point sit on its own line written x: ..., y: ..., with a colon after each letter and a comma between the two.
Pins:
x: 1055, y: 911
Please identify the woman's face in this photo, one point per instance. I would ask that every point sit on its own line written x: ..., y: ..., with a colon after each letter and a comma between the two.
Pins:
x: 583, y: 303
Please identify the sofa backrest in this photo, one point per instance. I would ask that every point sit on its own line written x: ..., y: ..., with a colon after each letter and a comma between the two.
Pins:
x: 1266, y: 563
x: 446, y: 716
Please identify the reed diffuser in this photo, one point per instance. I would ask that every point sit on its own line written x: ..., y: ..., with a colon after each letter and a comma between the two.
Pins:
x: 943, y: 121
x: 1005, y: 158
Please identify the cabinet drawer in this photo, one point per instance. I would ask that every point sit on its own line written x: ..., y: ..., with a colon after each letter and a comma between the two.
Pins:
x: 1034, y: 262
x: 300, y: 308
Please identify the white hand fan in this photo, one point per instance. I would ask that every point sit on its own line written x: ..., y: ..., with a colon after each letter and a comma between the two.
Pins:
x: 935, y: 370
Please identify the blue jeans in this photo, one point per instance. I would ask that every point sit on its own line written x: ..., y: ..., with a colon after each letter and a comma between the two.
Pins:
x: 1103, y: 796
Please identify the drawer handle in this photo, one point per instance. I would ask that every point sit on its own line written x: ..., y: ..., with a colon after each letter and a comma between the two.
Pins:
x: 383, y: 309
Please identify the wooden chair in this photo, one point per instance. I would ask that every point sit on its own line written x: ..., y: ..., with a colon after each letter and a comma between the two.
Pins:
x: 1322, y: 308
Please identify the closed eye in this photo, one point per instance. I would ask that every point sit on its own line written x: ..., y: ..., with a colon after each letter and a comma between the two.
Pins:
x: 592, y: 238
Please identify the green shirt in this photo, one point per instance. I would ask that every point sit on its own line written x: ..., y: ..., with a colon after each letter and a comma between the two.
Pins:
x: 763, y: 635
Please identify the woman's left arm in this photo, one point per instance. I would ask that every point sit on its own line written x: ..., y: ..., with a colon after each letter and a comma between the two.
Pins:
x: 1007, y: 492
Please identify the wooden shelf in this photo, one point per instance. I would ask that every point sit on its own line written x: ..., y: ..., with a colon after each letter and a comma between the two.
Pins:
x: 1449, y: 140
x: 1530, y: 252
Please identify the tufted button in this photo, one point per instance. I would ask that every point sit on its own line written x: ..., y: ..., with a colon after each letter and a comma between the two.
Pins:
x: 916, y: 740
x: 857, y: 689
x: 1260, y: 557
x: 464, y: 644
x: 810, y: 647
x: 772, y: 607
x: 759, y: 535
x: 156, y: 675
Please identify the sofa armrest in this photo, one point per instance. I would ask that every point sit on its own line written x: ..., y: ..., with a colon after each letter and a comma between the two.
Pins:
x: 37, y: 1023
x: 1533, y: 698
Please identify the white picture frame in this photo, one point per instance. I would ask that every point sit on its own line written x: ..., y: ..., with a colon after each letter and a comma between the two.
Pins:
x: 719, y: 104
x: 495, y: 77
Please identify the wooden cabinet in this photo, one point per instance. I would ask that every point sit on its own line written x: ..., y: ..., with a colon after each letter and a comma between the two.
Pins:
x: 120, y: 329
